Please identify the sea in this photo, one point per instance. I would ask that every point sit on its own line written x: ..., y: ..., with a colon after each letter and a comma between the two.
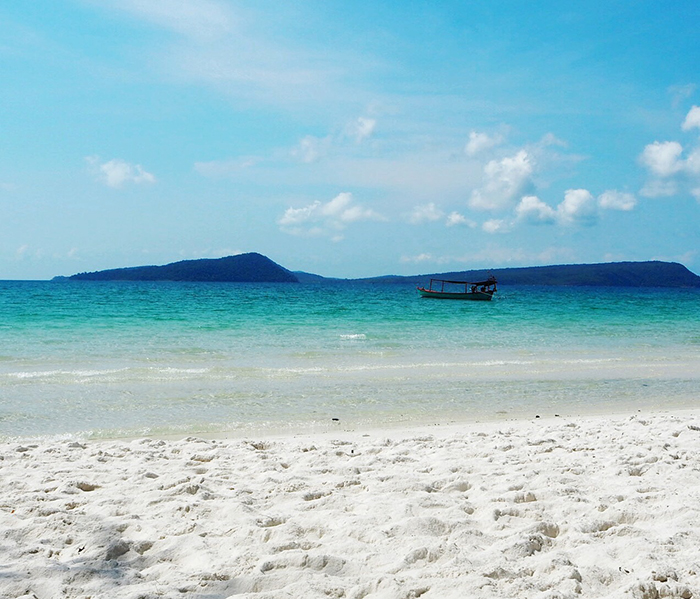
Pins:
x: 95, y: 360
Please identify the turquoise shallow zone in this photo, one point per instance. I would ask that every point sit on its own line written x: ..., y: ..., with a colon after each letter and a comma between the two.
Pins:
x: 98, y: 359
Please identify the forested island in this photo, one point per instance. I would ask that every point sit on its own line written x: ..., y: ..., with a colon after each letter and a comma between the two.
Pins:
x: 609, y: 274
x: 243, y: 268
x: 256, y: 268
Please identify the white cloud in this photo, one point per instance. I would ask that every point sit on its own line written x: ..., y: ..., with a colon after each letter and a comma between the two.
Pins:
x: 116, y: 172
x: 481, y: 142
x: 617, y: 200
x: 505, y: 181
x: 496, y: 226
x: 311, y: 149
x: 426, y: 213
x: 361, y: 129
x: 663, y: 158
x: 549, y: 139
x: 578, y: 207
x: 534, y: 211
x: 326, y: 219
x: 455, y: 219
x: 658, y: 188
x: 692, y: 163
x: 692, y: 119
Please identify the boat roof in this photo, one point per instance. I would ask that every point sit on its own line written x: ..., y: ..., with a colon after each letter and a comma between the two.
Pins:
x: 489, y: 281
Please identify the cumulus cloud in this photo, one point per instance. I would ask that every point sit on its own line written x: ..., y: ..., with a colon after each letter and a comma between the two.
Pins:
x: 481, y: 142
x: 672, y: 172
x: 534, y: 211
x: 662, y: 158
x: 426, y: 213
x: 496, y: 225
x: 617, y: 200
x: 326, y: 219
x: 117, y: 172
x: 455, y: 219
x: 578, y: 207
x: 692, y: 119
x: 504, y: 181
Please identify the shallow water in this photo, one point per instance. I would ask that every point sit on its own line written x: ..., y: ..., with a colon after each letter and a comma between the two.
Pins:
x: 103, y: 359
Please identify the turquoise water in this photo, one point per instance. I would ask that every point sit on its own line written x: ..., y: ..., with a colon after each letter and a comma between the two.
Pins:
x: 99, y: 359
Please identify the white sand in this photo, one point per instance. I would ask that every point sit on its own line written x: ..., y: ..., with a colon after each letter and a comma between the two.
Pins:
x: 596, y: 507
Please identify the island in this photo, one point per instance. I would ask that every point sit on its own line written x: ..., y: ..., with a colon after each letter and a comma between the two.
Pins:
x: 256, y: 268
x: 609, y: 274
x: 243, y: 268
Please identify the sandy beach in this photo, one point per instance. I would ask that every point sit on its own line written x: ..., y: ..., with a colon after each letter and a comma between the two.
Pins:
x: 566, y: 507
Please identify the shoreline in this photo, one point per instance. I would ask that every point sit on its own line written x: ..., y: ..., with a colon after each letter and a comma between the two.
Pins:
x: 394, y: 422
x: 596, y: 505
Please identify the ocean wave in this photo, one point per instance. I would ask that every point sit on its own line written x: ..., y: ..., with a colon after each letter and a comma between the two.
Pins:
x: 46, y: 374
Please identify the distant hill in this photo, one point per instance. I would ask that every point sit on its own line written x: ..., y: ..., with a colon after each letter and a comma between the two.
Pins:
x: 244, y: 268
x: 256, y: 268
x: 613, y: 274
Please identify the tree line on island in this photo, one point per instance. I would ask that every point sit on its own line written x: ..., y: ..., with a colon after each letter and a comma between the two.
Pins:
x: 256, y: 268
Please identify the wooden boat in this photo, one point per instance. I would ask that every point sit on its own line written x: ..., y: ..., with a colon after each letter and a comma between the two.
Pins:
x: 460, y: 290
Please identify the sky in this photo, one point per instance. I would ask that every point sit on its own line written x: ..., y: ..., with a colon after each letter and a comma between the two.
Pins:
x: 348, y: 139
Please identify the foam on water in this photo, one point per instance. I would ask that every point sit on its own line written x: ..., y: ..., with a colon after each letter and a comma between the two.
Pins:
x: 111, y: 359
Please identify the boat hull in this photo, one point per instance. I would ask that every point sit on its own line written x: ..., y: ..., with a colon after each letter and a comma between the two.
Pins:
x: 478, y: 296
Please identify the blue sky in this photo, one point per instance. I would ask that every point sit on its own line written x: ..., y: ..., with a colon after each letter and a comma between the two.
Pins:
x: 347, y: 138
